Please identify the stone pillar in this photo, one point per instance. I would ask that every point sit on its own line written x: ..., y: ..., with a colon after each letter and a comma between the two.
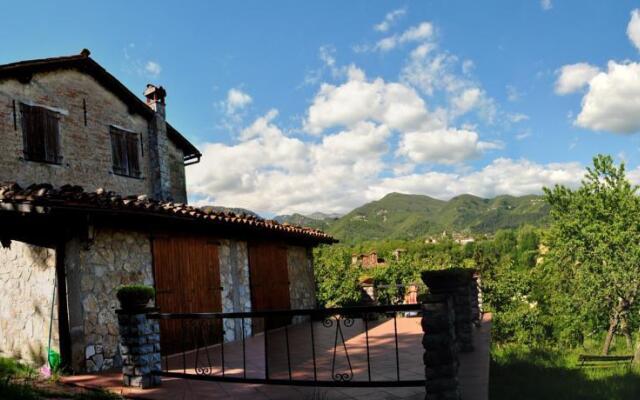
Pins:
x: 455, y: 283
x: 140, y: 348
x: 440, y: 349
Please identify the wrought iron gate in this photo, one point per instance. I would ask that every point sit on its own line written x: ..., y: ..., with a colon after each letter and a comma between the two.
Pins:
x: 335, y: 347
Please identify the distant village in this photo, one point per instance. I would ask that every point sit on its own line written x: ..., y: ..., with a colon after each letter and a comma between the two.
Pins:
x: 372, y: 259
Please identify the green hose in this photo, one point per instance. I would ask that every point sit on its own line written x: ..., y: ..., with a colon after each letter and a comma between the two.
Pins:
x: 53, y: 357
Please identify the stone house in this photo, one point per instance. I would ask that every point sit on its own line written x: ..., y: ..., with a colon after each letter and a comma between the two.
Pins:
x: 367, y: 260
x: 68, y: 123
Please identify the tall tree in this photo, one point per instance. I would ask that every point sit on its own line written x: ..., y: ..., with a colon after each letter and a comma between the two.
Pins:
x: 595, y: 242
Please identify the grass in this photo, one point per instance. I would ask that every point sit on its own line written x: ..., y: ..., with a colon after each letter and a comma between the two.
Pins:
x: 522, y: 373
x: 20, y: 381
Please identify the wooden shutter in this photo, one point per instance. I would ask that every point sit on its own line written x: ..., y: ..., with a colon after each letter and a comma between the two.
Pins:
x: 26, y: 118
x: 124, y: 150
x: 132, y: 154
x: 51, y: 137
x: 117, y: 152
x: 40, y: 134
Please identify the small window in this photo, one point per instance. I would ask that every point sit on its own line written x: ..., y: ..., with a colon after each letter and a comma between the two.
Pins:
x: 124, y: 150
x: 40, y: 134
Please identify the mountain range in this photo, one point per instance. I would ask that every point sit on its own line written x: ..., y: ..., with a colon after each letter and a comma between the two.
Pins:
x: 409, y: 216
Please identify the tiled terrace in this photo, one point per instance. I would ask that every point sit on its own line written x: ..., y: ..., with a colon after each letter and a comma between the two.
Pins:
x: 474, y: 367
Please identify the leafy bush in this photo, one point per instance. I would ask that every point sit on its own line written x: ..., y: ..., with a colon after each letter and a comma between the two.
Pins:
x: 134, y: 296
x: 10, y: 368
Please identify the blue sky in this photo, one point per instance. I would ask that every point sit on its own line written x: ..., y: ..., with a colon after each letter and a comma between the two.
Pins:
x: 302, y: 107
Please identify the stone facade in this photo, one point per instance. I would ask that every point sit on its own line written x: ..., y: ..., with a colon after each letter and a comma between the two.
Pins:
x: 94, y: 270
x: 302, y: 286
x: 236, y: 292
x: 95, y: 266
x: 27, y: 275
x: 86, y: 150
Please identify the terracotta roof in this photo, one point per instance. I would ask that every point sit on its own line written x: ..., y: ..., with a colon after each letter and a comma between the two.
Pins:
x: 70, y: 197
x: 24, y: 70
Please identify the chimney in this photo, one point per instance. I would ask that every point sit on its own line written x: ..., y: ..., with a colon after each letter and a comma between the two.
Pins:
x: 155, y: 99
x: 159, y: 154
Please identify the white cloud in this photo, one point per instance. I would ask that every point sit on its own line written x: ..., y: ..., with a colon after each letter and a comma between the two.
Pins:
x: 513, y: 94
x: 502, y: 176
x: 326, y: 54
x: 546, y: 5
x: 390, y: 19
x: 612, y: 102
x: 523, y: 135
x: 357, y: 134
x: 267, y: 171
x: 415, y: 33
x: 420, y: 32
x: 422, y: 50
x: 466, y: 101
x: 236, y: 100
x: 574, y: 77
x: 153, y: 69
x: 473, y: 98
x: 270, y: 172
x: 393, y: 104
x: 633, y: 29
x: 446, y: 146
x: 467, y: 66
x: 517, y: 117
x: 634, y: 175
x: 432, y: 71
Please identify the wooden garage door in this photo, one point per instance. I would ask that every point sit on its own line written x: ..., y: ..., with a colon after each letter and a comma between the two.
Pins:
x: 269, y: 282
x: 187, y: 277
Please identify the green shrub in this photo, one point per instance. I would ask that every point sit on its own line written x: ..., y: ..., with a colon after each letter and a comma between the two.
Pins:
x: 134, y: 296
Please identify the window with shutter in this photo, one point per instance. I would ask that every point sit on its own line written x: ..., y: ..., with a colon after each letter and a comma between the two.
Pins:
x: 40, y: 134
x: 124, y: 152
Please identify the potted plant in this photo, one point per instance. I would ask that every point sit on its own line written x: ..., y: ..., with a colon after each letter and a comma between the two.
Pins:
x: 134, y: 297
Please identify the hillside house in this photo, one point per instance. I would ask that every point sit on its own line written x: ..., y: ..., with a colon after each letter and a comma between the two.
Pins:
x: 399, y: 253
x: 95, y: 197
x: 367, y: 260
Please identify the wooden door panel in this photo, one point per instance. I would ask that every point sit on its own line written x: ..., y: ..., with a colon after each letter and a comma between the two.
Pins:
x: 269, y: 282
x: 187, y: 279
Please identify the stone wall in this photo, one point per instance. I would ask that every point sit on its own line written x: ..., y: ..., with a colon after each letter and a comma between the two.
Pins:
x: 27, y: 275
x: 94, y: 270
x: 236, y: 292
x: 86, y: 150
x: 178, y: 182
x: 302, y: 286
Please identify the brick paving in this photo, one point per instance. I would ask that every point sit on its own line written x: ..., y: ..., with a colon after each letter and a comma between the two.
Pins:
x: 474, y: 367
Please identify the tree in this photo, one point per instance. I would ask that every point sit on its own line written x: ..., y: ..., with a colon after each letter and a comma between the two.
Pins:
x: 594, y: 241
x: 337, y: 281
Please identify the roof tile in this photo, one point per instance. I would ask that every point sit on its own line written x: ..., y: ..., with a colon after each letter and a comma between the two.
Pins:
x: 75, y: 196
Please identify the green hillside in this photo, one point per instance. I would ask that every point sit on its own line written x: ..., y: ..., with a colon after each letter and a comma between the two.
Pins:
x: 305, y: 220
x: 406, y: 216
